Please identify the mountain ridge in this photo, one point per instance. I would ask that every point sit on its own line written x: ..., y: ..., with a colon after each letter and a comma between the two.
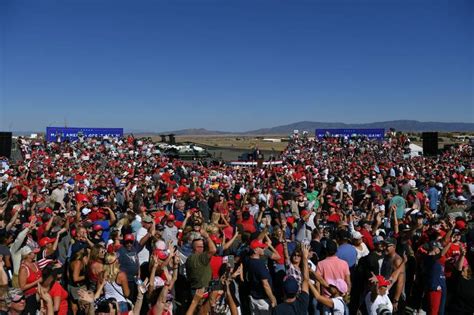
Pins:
x: 400, y: 125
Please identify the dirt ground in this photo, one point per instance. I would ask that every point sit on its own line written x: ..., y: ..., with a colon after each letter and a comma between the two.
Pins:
x: 233, y: 142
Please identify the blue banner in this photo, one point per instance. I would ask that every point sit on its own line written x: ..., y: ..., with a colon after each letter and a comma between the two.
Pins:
x: 54, y: 134
x: 373, y: 134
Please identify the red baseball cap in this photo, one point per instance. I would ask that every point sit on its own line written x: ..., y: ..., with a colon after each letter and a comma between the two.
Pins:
x: 304, y: 213
x: 45, y: 241
x: 171, y: 217
x: 290, y: 220
x: 382, y: 282
x: 160, y: 254
x: 257, y: 244
x: 460, y: 224
x: 97, y: 227
x: 129, y: 237
x: 215, y: 239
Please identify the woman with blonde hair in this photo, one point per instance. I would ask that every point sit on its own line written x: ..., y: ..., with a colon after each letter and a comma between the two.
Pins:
x: 95, y: 265
x: 29, y: 277
x: 116, y: 283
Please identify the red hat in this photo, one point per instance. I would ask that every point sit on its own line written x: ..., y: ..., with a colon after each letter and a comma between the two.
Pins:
x: 460, y: 224
x: 290, y: 220
x: 171, y: 217
x: 257, y: 244
x: 332, y: 204
x: 160, y: 254
x: 238, y: 197
x: 215, y: 239
x: 304, y: 213
x: 192, y: 194
x: 382, y: 282
x: 129, y: 237
x: 97, y: 227
x: 45, y: 241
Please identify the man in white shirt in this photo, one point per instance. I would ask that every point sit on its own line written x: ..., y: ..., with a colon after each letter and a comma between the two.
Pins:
x: 146, y: 224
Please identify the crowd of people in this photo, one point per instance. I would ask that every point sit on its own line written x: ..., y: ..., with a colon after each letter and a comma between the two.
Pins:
x: 340, y: 226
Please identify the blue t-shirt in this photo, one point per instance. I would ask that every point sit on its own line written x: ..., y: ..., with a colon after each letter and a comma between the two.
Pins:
x: 106, y: 229
x: 348, y: 253
x: 256, y: 272
x: 435, y: 277
x: 433, y: 196
x: 299, y: 306
x: 180, y: 216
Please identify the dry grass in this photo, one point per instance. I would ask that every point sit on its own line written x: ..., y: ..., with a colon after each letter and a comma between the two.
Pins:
x: 233, y: 142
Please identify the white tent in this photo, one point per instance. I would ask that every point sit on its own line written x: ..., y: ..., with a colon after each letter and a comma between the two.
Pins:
x: 416, y: 150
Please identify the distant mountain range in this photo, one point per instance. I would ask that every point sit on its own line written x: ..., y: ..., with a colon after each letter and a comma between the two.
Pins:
x: 310, y: 126
x: 401, y: 125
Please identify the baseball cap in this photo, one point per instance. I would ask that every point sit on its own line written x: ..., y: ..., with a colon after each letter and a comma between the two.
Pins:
x: 128, y: 237
x: 356, y: 235
x: 257, y: 244
x: 26, y: 250
x: 339, y: 284
x: 160, y: 254
x: 404, y: 227
x: 382, y: 282
x: 460, y: 224
x: 171, y: 217
x: 147, y: 219
x: 45, y: 241
x: 97, y: 227
x: 304, y: 213
x: 377, y: 239
x: 77, y: 247
x: 290, y: 286
x: 391, y: 241
x: 215, y: 239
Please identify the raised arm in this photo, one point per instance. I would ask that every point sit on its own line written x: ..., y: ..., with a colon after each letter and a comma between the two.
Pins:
x: 305, y: 269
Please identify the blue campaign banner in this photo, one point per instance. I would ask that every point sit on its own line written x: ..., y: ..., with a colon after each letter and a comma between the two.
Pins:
x: 54, y: 134
x: 374, y: 134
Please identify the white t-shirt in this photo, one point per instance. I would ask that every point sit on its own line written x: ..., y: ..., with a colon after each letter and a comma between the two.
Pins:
x: 361, y: 253
x: 338, y: 307
x: 382, y: 301
x: 144, y: 254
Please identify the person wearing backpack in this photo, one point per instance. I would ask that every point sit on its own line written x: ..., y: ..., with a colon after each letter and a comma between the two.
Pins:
x: 334, y: 304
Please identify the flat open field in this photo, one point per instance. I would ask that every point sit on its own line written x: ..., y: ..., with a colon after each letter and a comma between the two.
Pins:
x: 233, y: 142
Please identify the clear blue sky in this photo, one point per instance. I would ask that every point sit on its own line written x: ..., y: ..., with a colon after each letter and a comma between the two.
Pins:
x: 233, y: 64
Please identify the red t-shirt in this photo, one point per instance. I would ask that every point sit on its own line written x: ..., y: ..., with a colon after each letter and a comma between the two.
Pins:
x: 58, y: 290
x: 248, y: 225
x: 215, y: 263
x: 334, y: 218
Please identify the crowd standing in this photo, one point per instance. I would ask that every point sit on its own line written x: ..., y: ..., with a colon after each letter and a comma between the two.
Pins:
x: 340, y: 226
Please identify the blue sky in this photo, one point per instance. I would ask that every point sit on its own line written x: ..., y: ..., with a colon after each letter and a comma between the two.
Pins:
x: 233, y: 65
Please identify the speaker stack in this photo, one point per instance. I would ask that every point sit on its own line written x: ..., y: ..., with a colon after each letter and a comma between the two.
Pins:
x: 430, y: 143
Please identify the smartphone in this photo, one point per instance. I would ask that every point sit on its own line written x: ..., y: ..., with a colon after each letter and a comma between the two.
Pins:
x: 231, y: 261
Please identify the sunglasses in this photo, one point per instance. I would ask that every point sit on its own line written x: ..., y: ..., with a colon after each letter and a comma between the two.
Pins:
x: 18, y: 299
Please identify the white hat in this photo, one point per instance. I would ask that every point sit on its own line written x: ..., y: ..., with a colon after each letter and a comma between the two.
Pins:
x: 462, y: 198
x: 356, y: 235
x: 86, y: 211
x: 26, y: 250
